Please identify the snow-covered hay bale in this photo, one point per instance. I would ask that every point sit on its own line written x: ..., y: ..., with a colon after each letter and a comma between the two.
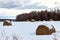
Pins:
x: 7, y: 23
x: 45, y: 29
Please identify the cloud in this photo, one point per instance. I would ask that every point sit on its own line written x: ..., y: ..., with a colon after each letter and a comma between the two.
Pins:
x: 9, y: 7
x: 33, y: 6
x: 12, y: 3
x: 48, y: 3
x: 21, y: 4
x: 12, y: 13
x: 29, y: 4
x: 57, y: 7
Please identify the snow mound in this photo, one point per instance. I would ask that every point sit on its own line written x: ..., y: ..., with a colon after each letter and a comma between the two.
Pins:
x: 50, y: 26
x: 7, y: 21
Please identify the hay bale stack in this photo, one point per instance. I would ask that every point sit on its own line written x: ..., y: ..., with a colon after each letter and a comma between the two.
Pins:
x: 45, y: 30
x: 7, y: 23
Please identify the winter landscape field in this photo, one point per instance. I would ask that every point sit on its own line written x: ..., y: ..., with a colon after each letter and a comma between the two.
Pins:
x: 25, y: 17
x: 27, y: 31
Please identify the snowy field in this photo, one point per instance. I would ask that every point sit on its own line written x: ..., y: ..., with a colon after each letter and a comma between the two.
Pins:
x: 26, y: 31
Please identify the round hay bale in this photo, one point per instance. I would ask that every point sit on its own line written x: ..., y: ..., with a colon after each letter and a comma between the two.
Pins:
x: 45, y: 29
x: 7, y: 23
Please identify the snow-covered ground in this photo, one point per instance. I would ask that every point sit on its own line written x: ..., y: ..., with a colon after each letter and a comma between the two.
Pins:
x: 26, y: 31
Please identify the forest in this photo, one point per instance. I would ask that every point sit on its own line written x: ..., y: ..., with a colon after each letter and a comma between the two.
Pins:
x: 39, y: 16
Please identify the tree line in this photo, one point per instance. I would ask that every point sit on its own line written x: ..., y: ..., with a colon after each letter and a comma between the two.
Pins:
x: 39, y: 16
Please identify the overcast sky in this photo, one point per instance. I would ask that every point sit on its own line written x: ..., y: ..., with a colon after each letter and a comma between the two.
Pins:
x: 13, y: 7
x: 25, y: 3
